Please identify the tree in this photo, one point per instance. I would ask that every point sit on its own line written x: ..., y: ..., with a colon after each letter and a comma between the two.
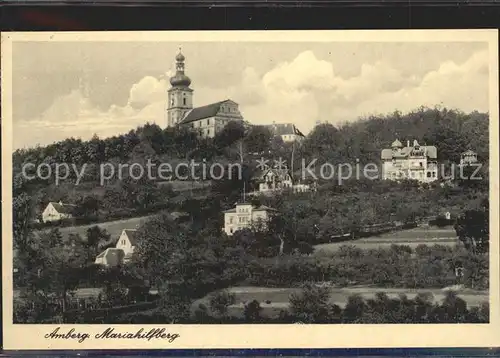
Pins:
x: 452, y: 310
x: 220, y: 302
x: 186, y: 262
x: 354, y: 309
x: 472, y: 229
x: 96, y: 237
x: 230, y: 134
x: 252, y: 311
x: 88, y: 206
x: 258, y: 139
x: 311, y: 304
x: 53, y: 268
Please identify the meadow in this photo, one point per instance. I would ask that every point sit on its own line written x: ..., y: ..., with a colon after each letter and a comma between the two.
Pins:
x: 413, y: 237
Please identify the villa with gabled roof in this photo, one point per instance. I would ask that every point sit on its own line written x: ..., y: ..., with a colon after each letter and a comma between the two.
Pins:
x: 417, y: 162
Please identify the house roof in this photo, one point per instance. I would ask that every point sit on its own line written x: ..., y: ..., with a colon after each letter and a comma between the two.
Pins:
x: 110, y: 251
x: 132, y: 235
x: 396, y: 143
x: 284, y: 129
x: 280, y: 173
x: 263, y: 207
x: 254, y: 208
x: 210, y: 110
x: 405, y: 152
x: 63, y: 208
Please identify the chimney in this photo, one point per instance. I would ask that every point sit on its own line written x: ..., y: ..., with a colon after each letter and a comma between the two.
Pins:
x: 407, y: 143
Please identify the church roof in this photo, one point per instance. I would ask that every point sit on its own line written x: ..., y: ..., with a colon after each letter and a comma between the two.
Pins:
x: 210, y: 110
x: 284, y: 129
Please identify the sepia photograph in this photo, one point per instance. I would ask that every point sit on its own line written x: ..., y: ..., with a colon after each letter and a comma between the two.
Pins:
x: 322, y: 178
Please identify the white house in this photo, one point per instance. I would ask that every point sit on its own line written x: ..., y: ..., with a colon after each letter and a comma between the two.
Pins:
x: 127, y: 242
x: 110, y: 257
x: 468, y: 157
x: 287, y: 131
x: 418, y: 162
x: 57, y: 211
x: 275, y: 179
x: 122, y: 252
x: 244, y: 215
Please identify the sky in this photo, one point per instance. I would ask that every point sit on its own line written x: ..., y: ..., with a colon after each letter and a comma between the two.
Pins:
x: 126, y: 83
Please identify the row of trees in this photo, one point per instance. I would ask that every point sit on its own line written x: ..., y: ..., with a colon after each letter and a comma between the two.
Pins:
x: 451, y: 131
x: 312, y: 305
x: 399, y: 266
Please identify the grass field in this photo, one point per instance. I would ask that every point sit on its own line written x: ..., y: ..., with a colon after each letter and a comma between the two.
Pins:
x: 114, y: 228
x: 185, y: 185
x: 412, y: 238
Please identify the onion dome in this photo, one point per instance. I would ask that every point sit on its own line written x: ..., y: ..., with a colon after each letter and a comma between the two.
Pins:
x: 180, y: 80
x: 396, y: 144
x: 180, y: 57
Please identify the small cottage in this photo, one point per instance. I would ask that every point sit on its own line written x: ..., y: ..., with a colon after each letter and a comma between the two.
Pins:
x: 127, y: 242
x: 110, y: 257
x: 58, y: 211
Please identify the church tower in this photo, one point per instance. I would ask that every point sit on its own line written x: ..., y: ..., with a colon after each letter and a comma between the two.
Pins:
x: 180, y: 96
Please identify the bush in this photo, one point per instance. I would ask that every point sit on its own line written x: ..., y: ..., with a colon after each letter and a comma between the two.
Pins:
x: 220, y: 301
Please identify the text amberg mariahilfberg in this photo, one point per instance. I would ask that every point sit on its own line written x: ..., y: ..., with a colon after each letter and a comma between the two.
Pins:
x: 109, y: 333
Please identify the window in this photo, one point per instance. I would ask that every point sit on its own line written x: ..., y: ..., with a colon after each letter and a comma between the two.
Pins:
x: 421, y: 164
x: 208, y: 131
x: 208, y: 122
x: 429, y: 174
x: 184, y: 100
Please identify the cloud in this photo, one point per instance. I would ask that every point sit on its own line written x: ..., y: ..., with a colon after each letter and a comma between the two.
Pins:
x: 148, y: 90
x: 307, y: 89
x: 302, y: 90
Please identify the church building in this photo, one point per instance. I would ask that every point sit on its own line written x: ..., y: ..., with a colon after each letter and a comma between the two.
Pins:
x: 207, y: 120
